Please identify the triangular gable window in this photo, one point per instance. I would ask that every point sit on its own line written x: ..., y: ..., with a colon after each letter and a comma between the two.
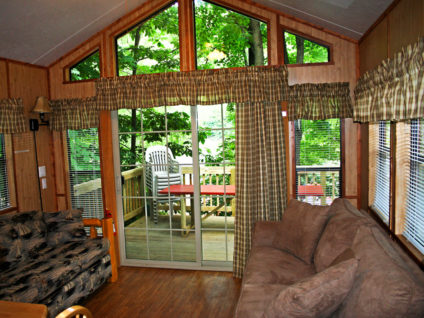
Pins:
x: 300, y: 50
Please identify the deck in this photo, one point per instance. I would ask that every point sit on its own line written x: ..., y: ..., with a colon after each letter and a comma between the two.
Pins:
x: 164, y: 244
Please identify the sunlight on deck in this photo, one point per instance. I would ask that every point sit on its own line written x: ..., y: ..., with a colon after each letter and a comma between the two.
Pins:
x: 165, y: 244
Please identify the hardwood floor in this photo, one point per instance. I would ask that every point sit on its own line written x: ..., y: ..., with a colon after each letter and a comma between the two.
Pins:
x: 148, y: 292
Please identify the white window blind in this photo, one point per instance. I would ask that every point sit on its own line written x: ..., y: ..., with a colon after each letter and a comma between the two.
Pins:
x: 4, y: 186
x: 380, y: 169
x: 318, y: 164
x: 84, y: 172
x: 414, y: 219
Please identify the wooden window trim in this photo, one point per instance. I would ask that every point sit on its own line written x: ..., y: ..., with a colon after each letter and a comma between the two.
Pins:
x: 310, y: 38
x: 395, y: 224
x: 76, y: 61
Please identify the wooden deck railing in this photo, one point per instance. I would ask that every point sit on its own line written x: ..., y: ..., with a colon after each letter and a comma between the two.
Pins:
x: 133, y: 189
x: 327, y: 177
x: 212, y: 175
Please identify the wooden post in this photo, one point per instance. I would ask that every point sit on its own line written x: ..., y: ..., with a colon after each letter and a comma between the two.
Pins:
x: 233, y: 181
x: 323, y: 175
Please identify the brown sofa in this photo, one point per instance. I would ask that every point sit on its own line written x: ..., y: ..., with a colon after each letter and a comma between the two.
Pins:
x: 328, y: 262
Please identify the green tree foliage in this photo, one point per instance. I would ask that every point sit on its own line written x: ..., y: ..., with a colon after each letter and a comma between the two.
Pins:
x: 225, y: 38
x: 88, y: 68
x: 319, y: 142
x: 83, y: 150
x: 152, y: 46
x: 299, y: 50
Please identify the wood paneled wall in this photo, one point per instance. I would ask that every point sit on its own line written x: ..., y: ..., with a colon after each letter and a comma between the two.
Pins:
x: 20, y: 80
x: 400, y: 25
x: 343, y: 69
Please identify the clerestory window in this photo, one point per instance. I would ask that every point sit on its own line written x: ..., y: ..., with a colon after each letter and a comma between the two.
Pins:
x: 88, y: 68
x: 301, y: 50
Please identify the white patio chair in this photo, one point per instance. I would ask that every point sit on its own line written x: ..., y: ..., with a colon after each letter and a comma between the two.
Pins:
x: 162, y: 170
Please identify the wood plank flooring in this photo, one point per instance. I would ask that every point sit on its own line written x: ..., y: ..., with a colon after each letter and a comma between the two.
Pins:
x: 163, y: 244
x: 149, y: 292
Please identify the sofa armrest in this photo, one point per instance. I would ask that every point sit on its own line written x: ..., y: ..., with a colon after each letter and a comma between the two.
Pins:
x: 264, y: 233
x: 107, y: 228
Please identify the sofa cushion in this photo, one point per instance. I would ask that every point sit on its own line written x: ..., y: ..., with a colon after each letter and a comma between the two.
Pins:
x: 255, y: 299
x: 300, y: 229
x: 339, y: 233
x: 22, y: 235
x: 64, y: 226
x: 384, y: 286
x: 54, y: 267
x: 268, y: 265
x: 315, y: 296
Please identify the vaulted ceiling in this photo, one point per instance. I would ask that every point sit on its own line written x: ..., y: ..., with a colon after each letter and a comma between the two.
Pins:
x: 41, y: 31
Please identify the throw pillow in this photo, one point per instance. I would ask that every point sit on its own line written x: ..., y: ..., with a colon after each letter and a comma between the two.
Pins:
x: 300, y: 229
x: 64, y: 226
x: 316, y: 296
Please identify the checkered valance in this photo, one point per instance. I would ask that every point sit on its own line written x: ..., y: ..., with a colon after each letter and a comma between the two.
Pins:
x: 395, y: 89
x: 77, y: 113
x: 12, y: 119
x: 319, y: 101
x: 202, y: 87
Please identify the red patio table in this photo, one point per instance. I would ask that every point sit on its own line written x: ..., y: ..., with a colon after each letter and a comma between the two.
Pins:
x: 310, y: 190
x: 188, y: 189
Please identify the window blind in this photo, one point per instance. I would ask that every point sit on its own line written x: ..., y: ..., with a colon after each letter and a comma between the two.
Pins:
x: 4, y: 186
x: 380, y: 168
x: 414, y: 216
x: 318, y: 164
x: 84, y: 172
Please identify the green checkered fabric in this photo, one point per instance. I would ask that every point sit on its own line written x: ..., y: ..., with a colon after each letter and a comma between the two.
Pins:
x: 201, y: 87
x: 12, y: 119
x: 394, y: 90
x: 260, y: 173
x: 78, y: 113
x: 319, y: 101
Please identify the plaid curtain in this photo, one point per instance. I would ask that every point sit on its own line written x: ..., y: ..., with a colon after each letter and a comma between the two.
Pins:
x: 78, y: 113
x: 205, y: 87
x: 319, y: 101
x: 395, y: 89
x: 12, y: 119
x: 260, y: 172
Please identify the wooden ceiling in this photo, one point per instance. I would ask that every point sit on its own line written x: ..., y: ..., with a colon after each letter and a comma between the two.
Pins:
x: 41, y: 31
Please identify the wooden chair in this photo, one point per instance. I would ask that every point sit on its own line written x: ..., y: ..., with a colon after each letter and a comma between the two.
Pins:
x: 75, y: 312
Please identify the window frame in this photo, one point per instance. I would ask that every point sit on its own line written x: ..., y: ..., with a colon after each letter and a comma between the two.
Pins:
x: 10, y: 166
x: 309, y: 38
x: 397, y: 213
x: 292, y: 159
x: 79, y: 59
x: 239, y: 11
x: 68, y: 169
x: 134, y: 25
x: 390, y: 152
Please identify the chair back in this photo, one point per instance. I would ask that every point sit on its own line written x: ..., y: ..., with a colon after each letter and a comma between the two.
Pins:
x: 159, y: 157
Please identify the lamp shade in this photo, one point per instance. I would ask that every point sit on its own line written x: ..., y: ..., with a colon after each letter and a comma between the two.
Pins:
x: 41, y: 105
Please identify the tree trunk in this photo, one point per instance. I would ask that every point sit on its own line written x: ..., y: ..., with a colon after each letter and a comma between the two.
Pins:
x: 256, y: 50
x: 300, y: 50
x: 134, y: 111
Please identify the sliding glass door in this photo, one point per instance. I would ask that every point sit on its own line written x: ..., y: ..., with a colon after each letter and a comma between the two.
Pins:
x: 167, y: 155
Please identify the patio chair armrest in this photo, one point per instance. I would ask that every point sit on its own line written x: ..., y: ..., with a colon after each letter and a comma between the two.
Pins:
x: 174, y: 166
x: 264, y: 233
